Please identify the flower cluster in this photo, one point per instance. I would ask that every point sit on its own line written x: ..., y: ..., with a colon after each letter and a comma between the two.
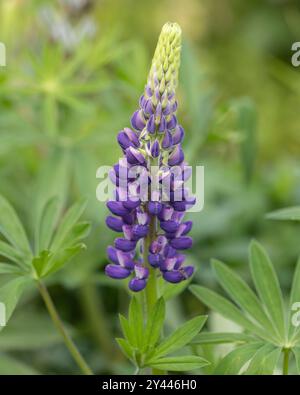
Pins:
x: 149, y: 205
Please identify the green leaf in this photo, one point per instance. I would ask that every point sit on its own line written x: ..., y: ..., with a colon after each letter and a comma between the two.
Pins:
x: 68, y: 222
x: 79, y: 231
x: 125, y: 348
x: 227, y: 310
x: 294, y: 298
x: 11, y: 227
x: 181, y: 363
x: 286, y: 214
x: 127, y: 332
x: 221, y: 338
x: 10, y: 293
x: 180, y: 337
x: 13, y: 254
x: 136, y: 320
x: 8, y: 268
x: 40, y: 262
x: 242, y: 294
x: 264, y: 360
x: 62, y: 257
x: 233, y: 362
x: 267, y: 286
x: 154, y: 324
x: 46, y: 224
x: 11, y: 366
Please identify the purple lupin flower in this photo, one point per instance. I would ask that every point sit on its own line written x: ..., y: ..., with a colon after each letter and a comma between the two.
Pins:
x: 149, y: 208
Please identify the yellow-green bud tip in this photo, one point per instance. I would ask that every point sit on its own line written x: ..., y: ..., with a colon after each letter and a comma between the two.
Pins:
x: 166, y: 60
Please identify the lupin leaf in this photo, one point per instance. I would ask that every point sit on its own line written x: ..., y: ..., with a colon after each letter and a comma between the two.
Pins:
x: 154, y: 324
x: 11, y: 227
x: 136, y: 320
x: 179, y: 364
x: 233, y: 362
x: 180, y: 337
x: 242, y: 294
x: 267, y: 286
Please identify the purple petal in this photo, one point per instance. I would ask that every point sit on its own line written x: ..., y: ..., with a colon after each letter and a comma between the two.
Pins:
x: 141, y: 272
x: 154, y: 208
x: 117, y: 208
x: 169, y: 226
x: 137, y: 121
x: 114, y: 223
x: 124, y: 244
x: 134, y: 156
x: 151, y: 125
x: 162, y: 125
x: 117, y: 272
x: 137, y: 285
x: 155, y: 260
x: 187, y: 271
x: 140, y: 231
x: 131, y: 204
x: 112, y: 254
x: 173, y: 276
x: 176, y: 156
x: 179, y: 206
x: 172, y: 123
x: 132, y: 136
x: 178, y: 135
x: 181, y: 243
x: 167, y: 140
x: 155, y: 149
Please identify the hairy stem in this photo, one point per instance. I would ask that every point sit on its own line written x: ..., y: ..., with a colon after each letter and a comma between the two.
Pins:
x: 285, y: 366
x: 60, y: 327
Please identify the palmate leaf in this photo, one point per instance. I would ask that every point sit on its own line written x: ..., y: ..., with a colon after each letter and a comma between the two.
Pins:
x: 10, y: 294
x: 228, y: 310
x: 233, y: 362
x: 267, y: 286
x: 263, y: 318
x: 46, y: 224
x: 68, y: 222
x: 264, y: 360
x: 242, y: 294
x: 142, y: 343
x: 12, y: 229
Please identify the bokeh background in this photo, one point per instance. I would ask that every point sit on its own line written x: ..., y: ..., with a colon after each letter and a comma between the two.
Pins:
x: 75, y: 70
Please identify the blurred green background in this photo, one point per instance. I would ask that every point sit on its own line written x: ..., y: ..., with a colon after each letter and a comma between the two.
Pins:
x: 75, y: 70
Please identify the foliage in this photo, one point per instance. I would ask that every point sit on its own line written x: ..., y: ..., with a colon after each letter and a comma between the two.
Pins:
x: 267, y: 327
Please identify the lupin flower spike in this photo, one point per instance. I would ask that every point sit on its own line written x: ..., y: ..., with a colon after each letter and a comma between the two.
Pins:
x: 153, y: 229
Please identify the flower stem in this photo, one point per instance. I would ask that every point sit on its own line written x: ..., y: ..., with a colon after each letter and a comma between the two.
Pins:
x: 285, y: 367
x: 151, y: 288
x: 60, y: 327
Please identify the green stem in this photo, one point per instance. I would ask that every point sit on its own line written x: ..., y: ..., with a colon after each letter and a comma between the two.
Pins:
x: 151, y: 288
x: 60, y: 327
x: 285, y: 367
